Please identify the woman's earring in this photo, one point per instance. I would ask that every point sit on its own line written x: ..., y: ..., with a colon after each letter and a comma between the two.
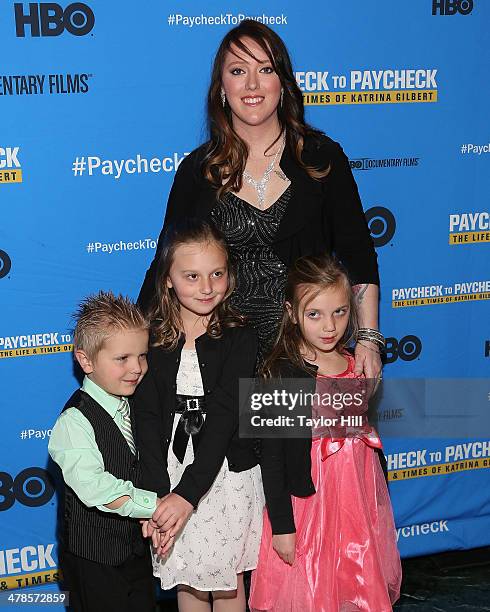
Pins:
x: 223, y: 98
x: 282, y: 95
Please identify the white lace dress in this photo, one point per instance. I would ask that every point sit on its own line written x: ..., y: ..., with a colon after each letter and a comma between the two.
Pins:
x: 222, y: 537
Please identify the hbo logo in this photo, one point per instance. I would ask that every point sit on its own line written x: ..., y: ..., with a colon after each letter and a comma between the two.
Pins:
x: 49, y: 19
x: 32, y: 487
x: 407, y: 349
x: 451, y: 7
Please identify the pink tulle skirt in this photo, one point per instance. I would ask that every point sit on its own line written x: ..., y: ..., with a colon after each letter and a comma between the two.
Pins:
x: 346, y: 554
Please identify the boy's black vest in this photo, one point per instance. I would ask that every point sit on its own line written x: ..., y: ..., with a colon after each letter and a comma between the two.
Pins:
x: 91, y: 533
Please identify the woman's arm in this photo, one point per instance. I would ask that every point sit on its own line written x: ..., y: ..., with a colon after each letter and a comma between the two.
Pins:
x: 181, y: 197
x: 345, y: 220
x: 367, y: 355
x: 353, y: 245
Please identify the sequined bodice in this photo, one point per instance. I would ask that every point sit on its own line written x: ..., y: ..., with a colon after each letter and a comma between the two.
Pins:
x: 261, y: 275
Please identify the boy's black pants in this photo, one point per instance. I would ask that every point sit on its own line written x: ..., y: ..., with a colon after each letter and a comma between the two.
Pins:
x: 96, y: 587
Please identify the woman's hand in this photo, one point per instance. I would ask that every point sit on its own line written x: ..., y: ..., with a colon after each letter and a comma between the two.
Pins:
x: 285, y: 546
x: 368, y: 361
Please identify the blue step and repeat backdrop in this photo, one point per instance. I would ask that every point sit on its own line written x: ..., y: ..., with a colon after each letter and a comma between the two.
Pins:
x: 100, y: 102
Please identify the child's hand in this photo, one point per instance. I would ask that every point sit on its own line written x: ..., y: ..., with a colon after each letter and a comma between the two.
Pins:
x: 151, y: 531
x: 171, y: 514
x: 165, y: 544
x: 146, y: 528
x: 285, y: 546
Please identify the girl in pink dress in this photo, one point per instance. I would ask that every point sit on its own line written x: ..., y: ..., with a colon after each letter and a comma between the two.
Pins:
x: 329, y: 542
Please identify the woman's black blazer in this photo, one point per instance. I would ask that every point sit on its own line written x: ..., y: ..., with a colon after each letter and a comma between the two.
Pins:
x: 322, y: 216
x: 222, y: 363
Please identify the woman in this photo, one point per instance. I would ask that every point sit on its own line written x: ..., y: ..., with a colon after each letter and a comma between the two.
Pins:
x: 277, y: 188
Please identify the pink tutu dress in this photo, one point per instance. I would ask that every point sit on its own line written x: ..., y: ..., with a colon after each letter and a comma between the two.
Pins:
x: 346, y: 553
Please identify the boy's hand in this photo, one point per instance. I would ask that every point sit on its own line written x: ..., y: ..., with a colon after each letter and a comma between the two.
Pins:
x: 285, y: 546
x: 146, y: 528
x: 150, y: 529
x: 171, y: 514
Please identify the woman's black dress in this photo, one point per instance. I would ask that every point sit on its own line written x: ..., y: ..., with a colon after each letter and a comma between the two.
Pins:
x: 261, y: 275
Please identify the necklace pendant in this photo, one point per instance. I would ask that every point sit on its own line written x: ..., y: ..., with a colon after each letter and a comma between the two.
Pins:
x: 260, y: 186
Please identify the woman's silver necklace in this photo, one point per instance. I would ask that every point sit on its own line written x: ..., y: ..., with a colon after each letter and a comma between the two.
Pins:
x: 261, y: 184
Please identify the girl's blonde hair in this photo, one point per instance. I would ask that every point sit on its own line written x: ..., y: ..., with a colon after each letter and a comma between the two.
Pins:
x: 306, y: 279
x: 166, y: 325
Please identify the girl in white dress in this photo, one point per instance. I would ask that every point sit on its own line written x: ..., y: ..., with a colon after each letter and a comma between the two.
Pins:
x: 221, y: 538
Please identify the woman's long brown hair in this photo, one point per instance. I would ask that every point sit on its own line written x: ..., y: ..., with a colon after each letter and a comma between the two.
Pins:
x: 307, y: 277
x: 166, y: 322
x: 227, y: 153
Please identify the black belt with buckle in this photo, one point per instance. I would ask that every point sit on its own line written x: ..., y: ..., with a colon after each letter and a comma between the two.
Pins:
x: 192, y: 409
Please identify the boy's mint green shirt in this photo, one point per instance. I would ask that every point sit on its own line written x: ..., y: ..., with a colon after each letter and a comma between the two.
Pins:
x: 73, y: 447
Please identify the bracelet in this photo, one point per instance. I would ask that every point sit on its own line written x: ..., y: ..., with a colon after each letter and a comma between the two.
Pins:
x: 371, y: 335
x: 378, y: 343
x: 371, y: 332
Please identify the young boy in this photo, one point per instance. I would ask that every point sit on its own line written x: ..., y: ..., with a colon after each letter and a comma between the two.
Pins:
x: 105, y: 560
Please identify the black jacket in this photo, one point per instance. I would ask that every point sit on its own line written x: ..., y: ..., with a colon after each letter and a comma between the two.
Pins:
x: 322, y: 216
x: 222, y: 363
x: 286, y: 464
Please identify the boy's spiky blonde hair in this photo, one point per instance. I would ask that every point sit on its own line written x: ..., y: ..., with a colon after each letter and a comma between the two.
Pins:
x: 99, y: 316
